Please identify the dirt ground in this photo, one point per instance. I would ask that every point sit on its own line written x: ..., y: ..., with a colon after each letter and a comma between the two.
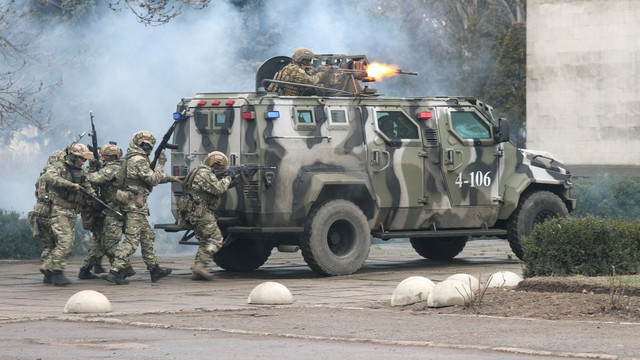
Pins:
x: 552, y: 299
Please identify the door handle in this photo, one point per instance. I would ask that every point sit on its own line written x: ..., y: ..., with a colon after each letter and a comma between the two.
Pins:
x: 377, y: 160
x: 450, y: 156
x: 451, y: 159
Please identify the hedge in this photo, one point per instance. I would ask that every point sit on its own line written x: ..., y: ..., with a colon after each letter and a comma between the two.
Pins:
x: 588, y: 246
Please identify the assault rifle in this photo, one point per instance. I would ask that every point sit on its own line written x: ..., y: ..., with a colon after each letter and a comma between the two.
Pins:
x: 246, y: 171
x: 94, y: 143
x: 164, y: 144
x: 99, y: 201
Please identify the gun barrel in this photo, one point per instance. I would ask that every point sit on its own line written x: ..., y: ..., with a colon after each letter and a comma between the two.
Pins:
x: 94, y: 143
x: 400, y: 72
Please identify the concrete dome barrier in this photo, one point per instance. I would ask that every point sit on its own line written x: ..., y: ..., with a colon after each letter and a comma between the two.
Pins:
x: 467, y: 279
x: 270, y: 293
x: 450, y: 292
x: 504, y: 279
x: 88, y: 301
x: 411, y: 290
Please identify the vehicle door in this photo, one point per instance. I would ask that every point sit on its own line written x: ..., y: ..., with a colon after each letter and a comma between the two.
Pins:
x: 471, y: 161
x: 216, y: 125
x: 395, y: 165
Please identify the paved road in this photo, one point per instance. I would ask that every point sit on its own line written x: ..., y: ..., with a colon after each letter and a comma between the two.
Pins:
x: 331, y: 318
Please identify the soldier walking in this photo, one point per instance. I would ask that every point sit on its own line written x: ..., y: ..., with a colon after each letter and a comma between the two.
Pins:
x: 135, y: 180
x: 202, y: 192
x: 108, y: 228
x: 39, y: 218
x: 66, y: 182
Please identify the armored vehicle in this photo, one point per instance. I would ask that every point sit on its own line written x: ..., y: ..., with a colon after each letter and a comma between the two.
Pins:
x: 343, y: 164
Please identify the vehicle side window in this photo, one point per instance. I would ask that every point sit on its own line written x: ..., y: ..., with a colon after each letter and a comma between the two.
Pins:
x: 305, y: 117
x: 395, y: 125
x: 338, y: 117
x: 469, y: 126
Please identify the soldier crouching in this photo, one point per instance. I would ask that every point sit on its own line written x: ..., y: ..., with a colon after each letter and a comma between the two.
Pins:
x: 203, y: 190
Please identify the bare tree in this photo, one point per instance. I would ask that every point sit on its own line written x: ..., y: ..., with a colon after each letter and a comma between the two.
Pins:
x: 155, y: 12
x: 21, y: 96
x: 18, y: 93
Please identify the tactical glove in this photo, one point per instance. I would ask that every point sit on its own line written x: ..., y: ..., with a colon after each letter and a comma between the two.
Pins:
x: 162, y: 159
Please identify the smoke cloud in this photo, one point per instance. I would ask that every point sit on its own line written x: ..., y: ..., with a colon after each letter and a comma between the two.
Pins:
x: 132, y: 76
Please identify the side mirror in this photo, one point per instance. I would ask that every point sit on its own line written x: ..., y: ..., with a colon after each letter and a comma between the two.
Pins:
x: 504, y: 131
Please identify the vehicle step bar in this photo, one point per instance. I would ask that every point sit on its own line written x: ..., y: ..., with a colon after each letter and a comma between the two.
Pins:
x: 437, y: 234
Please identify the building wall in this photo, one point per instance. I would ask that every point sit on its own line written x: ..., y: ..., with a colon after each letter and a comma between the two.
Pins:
x: 583, y: 81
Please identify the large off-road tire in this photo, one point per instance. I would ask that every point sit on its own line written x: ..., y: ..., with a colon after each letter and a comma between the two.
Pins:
x: 534, y: 208
x: 445, y: 248
x: 243, y: 255
x: 337, y: 239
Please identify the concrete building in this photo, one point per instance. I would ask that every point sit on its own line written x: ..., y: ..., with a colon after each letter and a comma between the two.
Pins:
x: 583, y: 83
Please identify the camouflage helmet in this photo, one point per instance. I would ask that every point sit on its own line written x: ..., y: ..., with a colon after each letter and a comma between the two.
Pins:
x: 80, y: 150
x: 111, y: 150
x: 143, y: 136
x: 217, y: 159
x: 302, y: 54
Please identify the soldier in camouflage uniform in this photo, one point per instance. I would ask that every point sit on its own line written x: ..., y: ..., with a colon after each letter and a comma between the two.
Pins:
x: 203, y: 189
x: 39, y: 217
x: 108, y: 227
x: 92, y: 217
x: 300, y: 71
x: 66, y: 182
x: 135, y: 181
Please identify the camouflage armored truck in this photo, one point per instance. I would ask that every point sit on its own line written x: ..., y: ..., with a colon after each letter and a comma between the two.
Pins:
x: 345, y: 164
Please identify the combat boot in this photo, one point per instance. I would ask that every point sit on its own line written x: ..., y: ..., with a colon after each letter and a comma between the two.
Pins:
x: 128, y: 272
x: 158, y: 273
x: 116, y: 277
x: 86, y: 274
x: 201, y: 273
x: 98, y: 269
x: 58, y: 278
x: 47, y: 276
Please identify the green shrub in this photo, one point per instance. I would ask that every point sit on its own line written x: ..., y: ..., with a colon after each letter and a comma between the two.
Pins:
x: 16, y: 241
x: 589, y: 246
x: 607, y: 196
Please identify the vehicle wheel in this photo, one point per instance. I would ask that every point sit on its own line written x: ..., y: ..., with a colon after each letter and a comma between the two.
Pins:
x: 337, y: 239
x: 243, y: 255
x: 445, y: 248
x: 534, y: 208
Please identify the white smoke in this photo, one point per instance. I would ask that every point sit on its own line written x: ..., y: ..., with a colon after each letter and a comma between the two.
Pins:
x: 132, y: 76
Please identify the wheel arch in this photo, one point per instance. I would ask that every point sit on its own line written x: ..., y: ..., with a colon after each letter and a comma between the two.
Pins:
x: 513, y: 196
x: 324, y: 187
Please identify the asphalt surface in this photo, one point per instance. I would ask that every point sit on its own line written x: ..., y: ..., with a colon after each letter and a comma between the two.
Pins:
x: 331, y: 317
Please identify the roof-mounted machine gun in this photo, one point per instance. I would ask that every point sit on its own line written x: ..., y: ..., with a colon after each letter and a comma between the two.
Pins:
x: 350, y: 71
